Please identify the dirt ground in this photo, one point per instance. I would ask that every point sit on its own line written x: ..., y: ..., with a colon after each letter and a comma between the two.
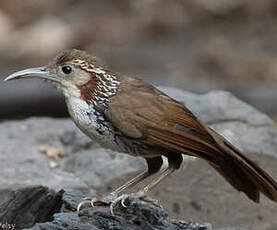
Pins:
x: 197, y: 193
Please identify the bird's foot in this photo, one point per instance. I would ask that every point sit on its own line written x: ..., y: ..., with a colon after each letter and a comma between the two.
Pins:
x: 114, y: 199
x: 137, y: 195
x: 105, y: 201
x: 92, y: 201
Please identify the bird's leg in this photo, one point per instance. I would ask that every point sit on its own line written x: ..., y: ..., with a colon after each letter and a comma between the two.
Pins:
x: 156, y: 181
x: 154, y: 165
x: 129, y: 184
x: 142, y: 193
x: 110, y: 198
x: 174, y: 161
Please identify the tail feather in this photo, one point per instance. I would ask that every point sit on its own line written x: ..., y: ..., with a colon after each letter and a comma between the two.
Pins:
x: 238, y: 180
x: 242, y: 173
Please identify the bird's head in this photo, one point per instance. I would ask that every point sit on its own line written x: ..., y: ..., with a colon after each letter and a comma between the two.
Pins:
x: 77, y: 74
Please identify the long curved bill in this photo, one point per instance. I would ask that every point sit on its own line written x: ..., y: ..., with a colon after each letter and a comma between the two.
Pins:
x: 38, y: 72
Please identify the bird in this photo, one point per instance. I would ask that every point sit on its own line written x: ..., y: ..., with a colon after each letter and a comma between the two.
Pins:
x: 130, y: 116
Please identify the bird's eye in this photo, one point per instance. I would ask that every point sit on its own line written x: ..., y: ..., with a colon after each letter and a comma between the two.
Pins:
x: 67, y: 69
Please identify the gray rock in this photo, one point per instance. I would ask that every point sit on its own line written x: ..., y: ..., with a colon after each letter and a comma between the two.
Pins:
x: 42, y: 208
x: 23, y: 164
x: 28, y: 206
x: 39, y: 207
x: 137, y: 216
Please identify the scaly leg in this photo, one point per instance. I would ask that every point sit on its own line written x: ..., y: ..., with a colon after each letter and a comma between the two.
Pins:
x: 142, y: 193
x: 154, y: 165
x: 174, y: 161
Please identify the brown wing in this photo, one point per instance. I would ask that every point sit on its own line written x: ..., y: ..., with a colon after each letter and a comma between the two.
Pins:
x: 141, y: 111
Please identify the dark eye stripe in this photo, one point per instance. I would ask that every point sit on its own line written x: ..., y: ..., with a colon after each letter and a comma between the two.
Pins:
x: 67, y: 69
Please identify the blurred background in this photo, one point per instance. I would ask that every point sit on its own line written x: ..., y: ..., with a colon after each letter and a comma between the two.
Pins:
x: 196, y: 45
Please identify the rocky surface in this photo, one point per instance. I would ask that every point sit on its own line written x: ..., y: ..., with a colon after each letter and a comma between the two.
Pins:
x: 39, y: 208
x: 71, y: 161
x: 28, y: 206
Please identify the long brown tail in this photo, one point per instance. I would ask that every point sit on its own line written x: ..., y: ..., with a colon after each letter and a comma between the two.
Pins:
x: 242, y: 173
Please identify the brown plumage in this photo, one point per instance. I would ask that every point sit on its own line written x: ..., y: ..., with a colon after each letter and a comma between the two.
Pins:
x: 87, y: 91
x: 158, y: 120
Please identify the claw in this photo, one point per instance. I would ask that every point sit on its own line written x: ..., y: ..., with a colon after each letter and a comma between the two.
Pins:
x: 81, y: 204
x: 123, y: 202
x: 112, y: 205
x: 112, y: 200
x: 115, y: 202
x: 85, y: 201
x: 111, y: 208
